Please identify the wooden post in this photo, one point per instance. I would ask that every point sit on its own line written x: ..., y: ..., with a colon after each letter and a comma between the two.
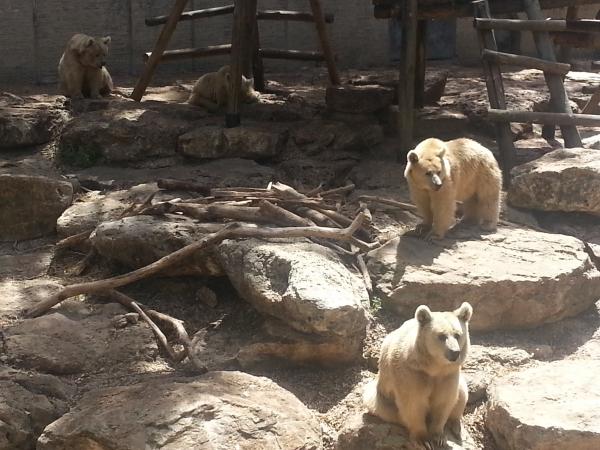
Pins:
x: 334, y: 77
x: 406, y: 84
x: 558, y: 95
x: 421, y: 63
x: 565, y: 50
x: 159, y: 48
x: 495, y: 88
x: 244, y: 16
x: 258, y: 70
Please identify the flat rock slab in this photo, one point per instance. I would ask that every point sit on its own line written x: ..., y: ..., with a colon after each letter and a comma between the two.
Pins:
x: 562, y: 180
x: 515, y: 278
x: 303, y: 284
x: 358, y: 99
x: 216, y: 411
x: 126, y: 132
x: 553, y: 406
x: 30, y: 205
x: 140, y: 240
x: 367, y: 432
x: 68, y: 342
x: 28, y: 402
x: 30, y: 121
x: 19, y: 295
x: 252, y: 142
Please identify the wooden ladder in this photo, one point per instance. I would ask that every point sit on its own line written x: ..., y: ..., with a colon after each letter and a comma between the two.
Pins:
x: 554, y: 73
x: 245, y: 27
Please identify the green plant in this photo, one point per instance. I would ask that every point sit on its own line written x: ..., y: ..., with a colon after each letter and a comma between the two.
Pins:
x: 83, y: 155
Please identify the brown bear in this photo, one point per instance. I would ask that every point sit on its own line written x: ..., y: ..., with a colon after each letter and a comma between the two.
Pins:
x: 420, y: 385
x: 212, y: 90
x: 441, y: 173
x: 82, y: 67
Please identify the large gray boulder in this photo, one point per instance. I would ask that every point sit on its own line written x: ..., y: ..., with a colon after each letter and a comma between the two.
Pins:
x: 553, y: 405
x: 28, y: 402
x: 515, y: 278
x: 304, y: 285
x: 140, y: 240
x: 562, y: 180
x: 253, y: 142
x: 30, y: 205
x: 216, y: 411
x: 29, y: 121
x: 126, y: 132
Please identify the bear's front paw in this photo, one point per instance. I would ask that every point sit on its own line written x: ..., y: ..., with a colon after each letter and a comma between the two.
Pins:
x: 437, y: 441
x: 419, y: 231
x: 433, y: 236
x: 455, y: 428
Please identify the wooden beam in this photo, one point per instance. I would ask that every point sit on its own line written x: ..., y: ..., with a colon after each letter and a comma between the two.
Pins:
x: 545, y: 118
x: 495, y: 89
x: 192, y: 15
x: 317, y: 12
x: 576, y: 26
x: 564, y: 54
x: 525, y: 61
x: 159, y: 48
x: 184, y: 53
x: 406, y: 84
x: 559, y: 101
x: 297, y: 16
x: 301, y: 55
x: 244, y: 16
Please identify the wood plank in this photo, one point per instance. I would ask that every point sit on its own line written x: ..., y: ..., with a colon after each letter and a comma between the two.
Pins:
x: 300, y: 55
x: 545, y: 118
x: 495, y: 89
x: 554, y: 25
x: 184, y: 53
x: 559, y: 100
x: 161, y: 44
x: 315, y: 6
x: 525, y: 61
x: 298, y: 16
x: 406, y: 84
x: 192, y: 15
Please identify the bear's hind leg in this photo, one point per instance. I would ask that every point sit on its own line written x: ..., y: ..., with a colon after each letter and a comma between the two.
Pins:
x: 488, y: 209
x: 471, y: 211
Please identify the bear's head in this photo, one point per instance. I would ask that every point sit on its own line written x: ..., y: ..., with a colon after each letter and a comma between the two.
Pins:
x: 247, y: 85
x: 445, y: 335
x: 92, y: 51
x: 427, y: 167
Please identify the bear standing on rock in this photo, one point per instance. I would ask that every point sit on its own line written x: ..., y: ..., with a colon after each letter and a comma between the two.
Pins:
x: 441, y: 173
x: 420, y: 385
x: 82, y: 71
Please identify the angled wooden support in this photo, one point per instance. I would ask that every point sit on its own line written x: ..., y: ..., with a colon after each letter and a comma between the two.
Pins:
x: 558, y: 95
x: 159, y: 48
x: 495, y: 89
x: 317, y: 12
x: 192, y: 15
x: 551, y: 25
x: 525, y: 61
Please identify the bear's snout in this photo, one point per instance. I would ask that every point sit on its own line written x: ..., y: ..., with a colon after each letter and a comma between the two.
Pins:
x: 452, y: 355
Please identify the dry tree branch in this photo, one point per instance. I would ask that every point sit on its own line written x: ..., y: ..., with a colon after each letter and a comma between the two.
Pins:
x: 386, y: 201
x: 233, y: 230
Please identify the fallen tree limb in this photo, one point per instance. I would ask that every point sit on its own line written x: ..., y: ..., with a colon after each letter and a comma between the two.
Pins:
x: 233, y: 230
x: 386, y: 201
x: 73, y: 241
x: 179, y: 185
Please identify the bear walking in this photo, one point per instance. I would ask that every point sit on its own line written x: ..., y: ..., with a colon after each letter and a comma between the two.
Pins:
x: 82, y: 71
x: 420, y: 385
x: 441, y: 173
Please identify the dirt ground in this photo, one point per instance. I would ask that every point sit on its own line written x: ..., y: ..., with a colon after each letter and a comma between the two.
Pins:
x: 334, y: 394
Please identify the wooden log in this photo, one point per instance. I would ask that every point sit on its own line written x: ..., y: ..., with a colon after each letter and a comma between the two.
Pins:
x: 300, y: 55
x: 575, y: 26
x: 184, y: 53
x: 587, y: 120
x: 258, y: 69
x: 421, y: 64
x: 525, y: 61
x: 558, y: 95
x: 181, y: 185
x: 495, y: 89
x: 296, y: 16
x: 241, y: 43
x: 161, y: 45
x: 406, y: 85
x: 315, y: 6
x: 192, y: 15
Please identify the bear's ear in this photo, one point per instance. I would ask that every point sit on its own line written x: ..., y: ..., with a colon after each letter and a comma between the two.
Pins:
x: 89, y: 42
x: 412, y: 157
x: 423, y: 315
x: 464, y: 312
x: 441, y: 152
x: 106, y: 40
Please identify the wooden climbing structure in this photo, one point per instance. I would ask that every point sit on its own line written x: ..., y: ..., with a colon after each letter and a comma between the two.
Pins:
x: 245, y: 50
x: 413, y: 15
